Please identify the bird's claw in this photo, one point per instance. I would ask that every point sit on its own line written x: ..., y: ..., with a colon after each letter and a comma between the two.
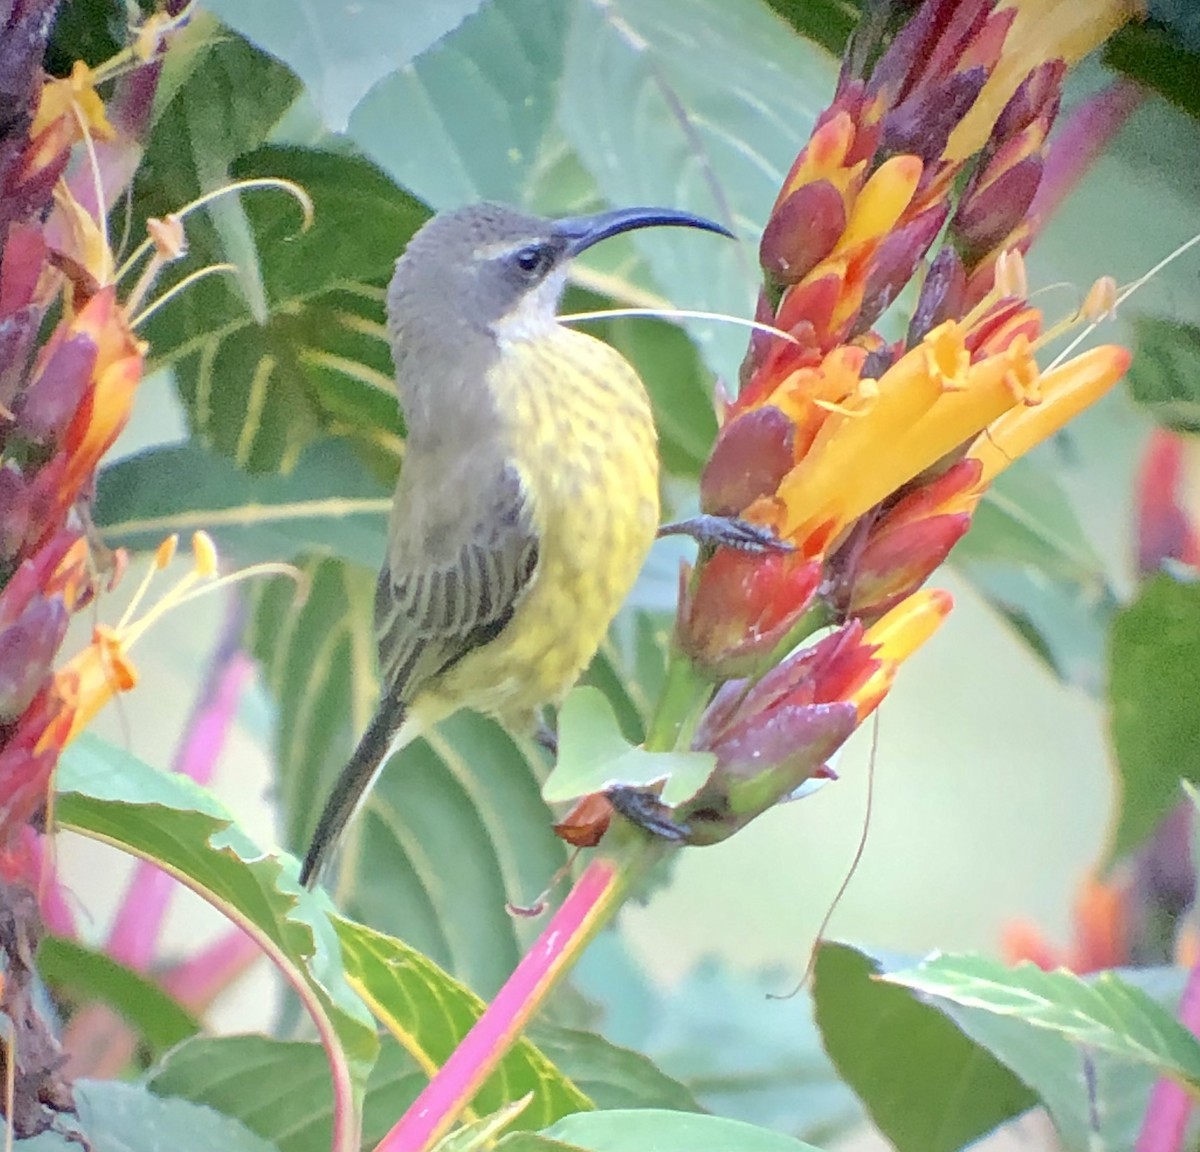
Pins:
x: 727, y: 532
x: 647, y: 811
x: 546, y: 737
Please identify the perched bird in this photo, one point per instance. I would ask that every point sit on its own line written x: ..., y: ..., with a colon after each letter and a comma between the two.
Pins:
x: 528, y: 495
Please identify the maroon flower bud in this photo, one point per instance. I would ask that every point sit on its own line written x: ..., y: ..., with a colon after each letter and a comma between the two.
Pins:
x: 1037, y: 98
x: 762, y: 761
x: 922, y: 124
x: 51, y: 401
x: 995, y: 205
x: 14, y: 514
x: 802, y: 231
x: 27, y: 649
x: 896, y: 261
x: 753, y: 453
x: 941, y: 295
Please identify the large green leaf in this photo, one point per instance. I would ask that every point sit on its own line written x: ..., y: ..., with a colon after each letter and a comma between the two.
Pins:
x: 116, y: 1117
x: 1154, y: 684
x: 722, y: 1035
x: 926, y: 1086
x: 280, y: 1089
x: 258, y: 385
x: 883, y: 1038
x: 1095, y: 1100
x: 1104, y: 1014
x: 204, y: 124
x: 473, y: 119
x: 328, y: 503
x: 110, y: 796
x: 81, y: 975
x: 340, y: 52
x: 1028, y: 555
x: 228, y: 1073
x: 317, y: 649
x: 1165, y: 373
x: 454, y: 829
x: 415, y: 1001
x: 702, y: 105
x: 619, y: 1131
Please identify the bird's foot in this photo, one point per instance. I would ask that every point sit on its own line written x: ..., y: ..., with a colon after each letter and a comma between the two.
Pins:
x: 546, y: 737
x: 647, y: 811
x: 727, y: 532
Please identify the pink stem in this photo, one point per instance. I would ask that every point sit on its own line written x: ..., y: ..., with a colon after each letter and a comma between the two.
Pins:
x: 1167, y: 1112
x: 1079, y: 140
x: 588, y: 906
x: 197, y: 981
x: 52, y: 899
x: 138, y: 923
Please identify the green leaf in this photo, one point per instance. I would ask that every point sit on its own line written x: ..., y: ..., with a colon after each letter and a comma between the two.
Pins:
x: 328, y: 503
x: 79, y: 975
x: 116, y: 1117
x: 1165, y: 373
x: 1066, y: 627
x: 258, y: 389
x: 609, y: 1075
x: 318, y: 657
x: 459, y: 812
x: 701, y: 105
x: 1105, y: 1014
x: 926, y: 1086
x: 722, y: 1035
x: 418, y: 1002
x: 203, y: 125
x: 1154, y: 683
x: 619, y: 1131
x: 827, y: 22
x: 1160, y: 58
x: 1026, y: 518
x: 229, y: 1073
x: 482, y: 1133
x: 109, y: 796
x: 593, y: 755
x: 473, y: 119
x: 340, y: 53
x: 1094, y: 1099
x: 1028, y: 555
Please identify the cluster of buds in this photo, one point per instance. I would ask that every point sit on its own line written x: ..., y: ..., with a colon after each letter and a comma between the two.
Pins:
x: 61, y: 407
x: 865, y: 455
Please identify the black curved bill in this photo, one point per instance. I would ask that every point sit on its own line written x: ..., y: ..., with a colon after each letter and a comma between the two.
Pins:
x: 581, y: 232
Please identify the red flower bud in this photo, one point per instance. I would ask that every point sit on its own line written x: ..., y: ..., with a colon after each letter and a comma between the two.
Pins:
x: 741, y: 606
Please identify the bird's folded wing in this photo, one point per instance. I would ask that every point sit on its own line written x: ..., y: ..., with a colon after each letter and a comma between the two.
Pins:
x: 429, y: 613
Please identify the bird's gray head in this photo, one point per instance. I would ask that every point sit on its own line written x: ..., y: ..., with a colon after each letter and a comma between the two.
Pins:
x: 491, y: 270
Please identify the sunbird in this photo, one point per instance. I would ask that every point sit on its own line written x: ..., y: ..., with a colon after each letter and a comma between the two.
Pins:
x: 528, y: 496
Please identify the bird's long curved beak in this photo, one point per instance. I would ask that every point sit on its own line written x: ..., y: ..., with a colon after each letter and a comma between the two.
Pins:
x: 582, y: 232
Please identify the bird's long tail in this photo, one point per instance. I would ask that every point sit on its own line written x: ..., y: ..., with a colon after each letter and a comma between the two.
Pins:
x: 351, y: 786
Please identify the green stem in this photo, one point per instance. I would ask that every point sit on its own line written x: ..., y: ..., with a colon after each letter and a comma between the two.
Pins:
x: 819, y: 615
x: 683, y: 697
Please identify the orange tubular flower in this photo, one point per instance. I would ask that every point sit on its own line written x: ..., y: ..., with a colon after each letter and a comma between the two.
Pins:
x: 868, y: 456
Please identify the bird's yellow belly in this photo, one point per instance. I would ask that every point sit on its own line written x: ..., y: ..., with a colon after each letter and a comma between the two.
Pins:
x: 587, y: 450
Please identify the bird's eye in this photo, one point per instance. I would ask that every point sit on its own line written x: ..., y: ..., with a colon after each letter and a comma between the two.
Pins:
x: 532, y: 259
